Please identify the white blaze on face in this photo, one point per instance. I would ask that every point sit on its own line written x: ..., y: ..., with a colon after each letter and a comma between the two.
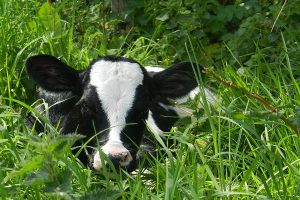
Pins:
x: 115, y: 83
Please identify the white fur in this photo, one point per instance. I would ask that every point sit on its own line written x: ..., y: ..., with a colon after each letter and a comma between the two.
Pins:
x: 97, y: 161
x: 152, y: 125
x: 116, y: 83
x: 181, y: 110
x: 154, y: 69
x: 112, y: 149
x: 210, y: 97
x: 53, y: 97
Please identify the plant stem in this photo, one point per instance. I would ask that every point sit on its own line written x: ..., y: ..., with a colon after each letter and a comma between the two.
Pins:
x: 253, y: 95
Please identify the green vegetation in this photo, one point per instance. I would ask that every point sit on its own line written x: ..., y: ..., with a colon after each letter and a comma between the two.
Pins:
x: 248, y: 148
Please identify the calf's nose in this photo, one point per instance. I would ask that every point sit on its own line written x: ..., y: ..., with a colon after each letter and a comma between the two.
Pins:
x: 117, y: 154
x: 121, y: 158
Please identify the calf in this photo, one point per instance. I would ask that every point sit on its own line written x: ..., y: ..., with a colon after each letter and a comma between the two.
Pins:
x: 113, y: 98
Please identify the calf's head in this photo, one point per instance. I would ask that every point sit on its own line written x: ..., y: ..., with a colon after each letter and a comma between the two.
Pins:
x: 111, y: 98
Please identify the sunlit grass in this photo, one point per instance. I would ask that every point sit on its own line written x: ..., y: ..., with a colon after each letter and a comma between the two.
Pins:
x: 240, y: 150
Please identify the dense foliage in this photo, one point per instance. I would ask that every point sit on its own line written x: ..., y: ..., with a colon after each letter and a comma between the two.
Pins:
x: 213, y: 26
x: 247, y: 147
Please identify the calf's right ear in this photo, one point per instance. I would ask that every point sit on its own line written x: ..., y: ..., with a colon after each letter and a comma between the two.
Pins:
x: 51, y: 73
x: 176, y: 81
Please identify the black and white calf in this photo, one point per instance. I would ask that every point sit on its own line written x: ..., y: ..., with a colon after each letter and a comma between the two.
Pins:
x: 113, y: 94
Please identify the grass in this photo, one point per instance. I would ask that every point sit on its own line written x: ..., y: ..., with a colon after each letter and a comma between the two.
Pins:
x: 241, y: 150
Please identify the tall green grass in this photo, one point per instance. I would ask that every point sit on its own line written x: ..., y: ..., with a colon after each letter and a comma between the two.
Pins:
x: 239, y: 150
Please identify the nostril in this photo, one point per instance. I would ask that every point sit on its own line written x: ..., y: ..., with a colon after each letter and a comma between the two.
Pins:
x: 121, y: 159
x: 124, y: 157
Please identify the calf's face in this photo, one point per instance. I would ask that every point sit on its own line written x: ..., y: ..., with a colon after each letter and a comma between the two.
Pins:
x: 109, y: 101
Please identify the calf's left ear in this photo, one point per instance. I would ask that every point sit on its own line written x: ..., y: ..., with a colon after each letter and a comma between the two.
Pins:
x: 51, y: 73
x: 176, y: 81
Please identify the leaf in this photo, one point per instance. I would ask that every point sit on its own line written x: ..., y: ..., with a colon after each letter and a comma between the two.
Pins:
x: 296, y: 121
x: 239, y: 12
x: 226, y: 13
x: 101, y: 194
x: 60, y: 144
x: 3, y: 140
x: 37, y: 178
x: 61, y: 181
x: 163, y: 17
x: 27, y: 166
x: 32, y: 25
x: 273, y: 37
x: 50, y: 19
x: 211, y: 49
